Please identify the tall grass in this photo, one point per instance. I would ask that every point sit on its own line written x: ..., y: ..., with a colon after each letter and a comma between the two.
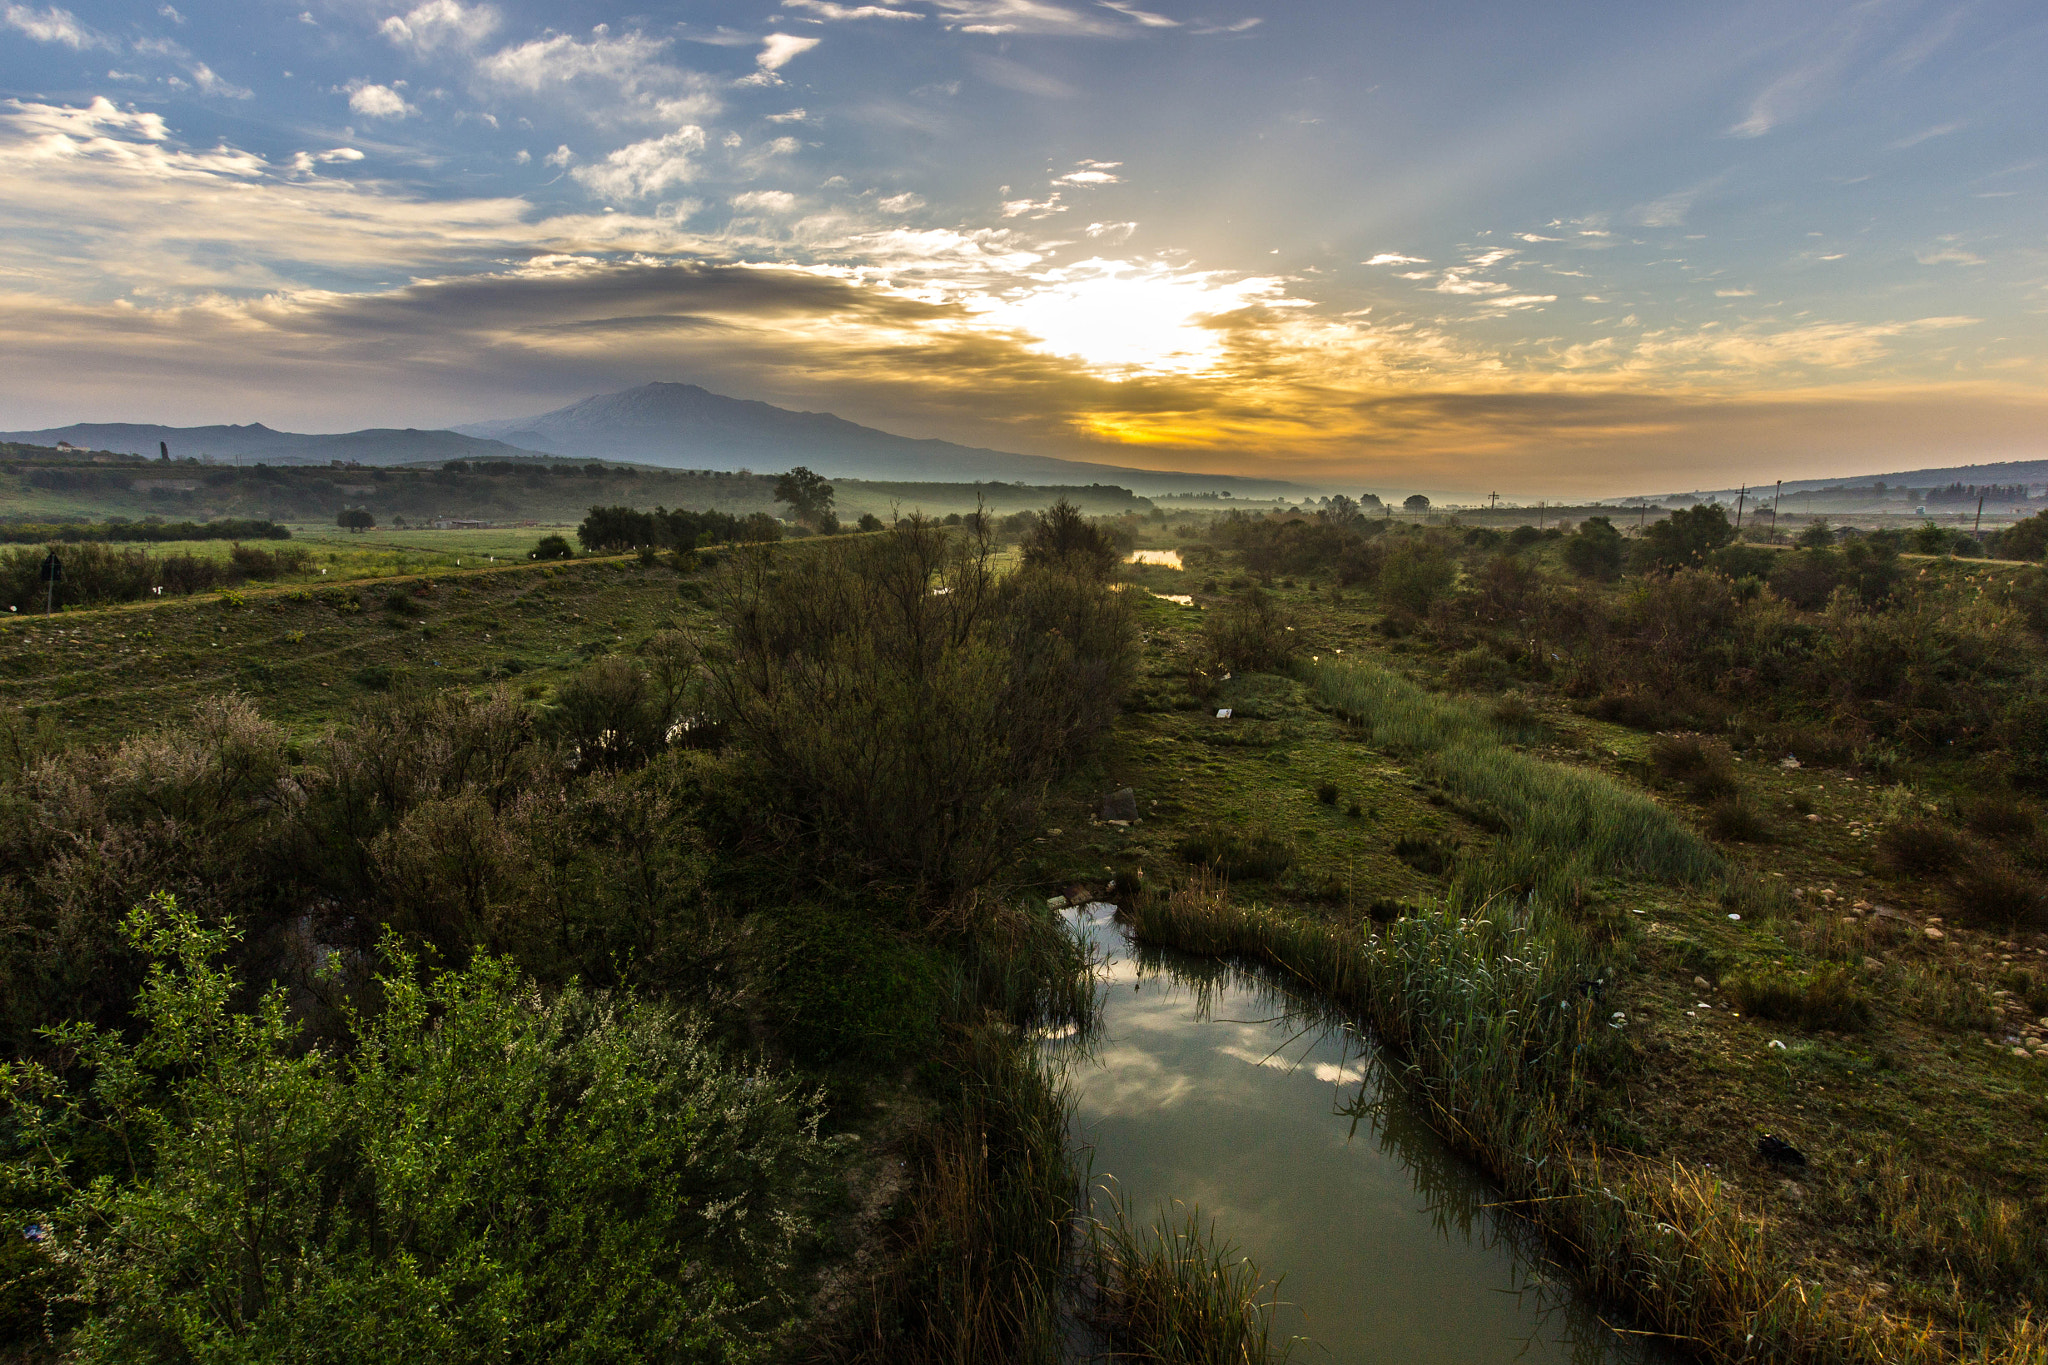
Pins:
x: 1566, y: 826
x: 1169, y: 1292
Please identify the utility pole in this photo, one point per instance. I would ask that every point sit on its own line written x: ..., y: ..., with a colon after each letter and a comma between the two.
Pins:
x: 1539, y: 514
x: 1775, y: 497
x: 1492, y: 501
x: 53, y: 574
x: 1980, y: 516
x: 1738, y: 506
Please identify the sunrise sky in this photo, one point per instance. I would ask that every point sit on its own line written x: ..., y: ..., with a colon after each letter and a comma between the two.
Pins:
x: 1539, y: 249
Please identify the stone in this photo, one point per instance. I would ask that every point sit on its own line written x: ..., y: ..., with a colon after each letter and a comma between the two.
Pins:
x: 1703, y: 983
x: 1121, y: 804
x: 1933, y: 932
x: 1056, y: 903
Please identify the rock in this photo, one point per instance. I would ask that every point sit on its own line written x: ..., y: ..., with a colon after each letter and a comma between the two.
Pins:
x: 1056, y: 903
x: 2021, y: 1052
x: 1773, y: 1148
x: 1703, y: 983
x: 1933, y: 932
x: 1121, y: 804
x: 1871, y: 964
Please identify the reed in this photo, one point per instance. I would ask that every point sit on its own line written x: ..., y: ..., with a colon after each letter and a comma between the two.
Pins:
x: 1169, y: 1292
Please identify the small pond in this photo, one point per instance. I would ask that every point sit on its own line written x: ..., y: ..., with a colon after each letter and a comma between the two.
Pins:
x: 1210, y: 1084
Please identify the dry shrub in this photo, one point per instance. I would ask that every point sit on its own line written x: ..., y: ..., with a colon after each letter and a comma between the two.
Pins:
x: 1828, y: 997
x: 1734, y: 819
x: 1997, y: 815
x: 1919, y: 847
x: 1992, y: 889
x: 1703, y: 766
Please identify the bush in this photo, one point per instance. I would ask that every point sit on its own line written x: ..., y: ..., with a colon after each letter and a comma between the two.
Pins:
x: 552, y: 547
x: 1063, y: 538
x: 1258, y: 852
x: 1595, y: 550
x: 843, y: 988
x: 1918, y: 847
x: 1993, y: 890
x: 1829, y: 997
x: 1733, y: 819
x: 1414, y: 574
x: 1704, y: 767
x: 1478, y: 669
x: 489, y: 1175
x: 1251, y: 634
x: 906, y: 730
x: 1997, y: 815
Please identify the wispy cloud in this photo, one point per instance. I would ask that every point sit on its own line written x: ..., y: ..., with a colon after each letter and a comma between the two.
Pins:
x: 1927, y: 135
x: 1091, y: 173
x: 1396, y: 258
x: 825, y: 9
x: 1027, y: 17
x: 1144, y: 17
x: 53, y: 25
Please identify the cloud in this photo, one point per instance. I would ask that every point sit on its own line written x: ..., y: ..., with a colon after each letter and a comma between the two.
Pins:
x: 1947, y: 255
x: 1111, y: 234
x: 1395, y: 258
x: 170, y: 12
x: 1034, y: 17
x: 793, y: 116
x: 53, y: 25
x: 439, y: 23
x: 561, y: 156
x: 1733, y: 293
x: 1670, y: 211
x: 1034, y: 208
x: 378, y: 101
x: 211, y: 84
x: 630, y: 68
x: 1235, y: 26
x: 645, y: 168
x: 777, y: 50
x: 824, y: 9
x: 780, y: 202
x: 1145, y: 18
x: 1016, y: 76
x: 1926, y: 135
x: 302, y: 163
x: 1092, y: 173
x: 901, y: 203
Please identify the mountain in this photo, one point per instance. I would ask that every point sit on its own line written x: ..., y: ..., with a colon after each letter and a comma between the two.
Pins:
x: 685, y: 426
x: 2032, y: 473
x: 256, y: 442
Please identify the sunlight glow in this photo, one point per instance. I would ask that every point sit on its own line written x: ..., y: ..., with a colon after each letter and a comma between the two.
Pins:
x: 1121, y: 316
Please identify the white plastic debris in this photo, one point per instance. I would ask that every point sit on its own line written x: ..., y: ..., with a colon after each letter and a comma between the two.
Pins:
x: 1223, y: 713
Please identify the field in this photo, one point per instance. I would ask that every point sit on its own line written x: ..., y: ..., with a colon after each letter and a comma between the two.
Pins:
x: 1787, y: 911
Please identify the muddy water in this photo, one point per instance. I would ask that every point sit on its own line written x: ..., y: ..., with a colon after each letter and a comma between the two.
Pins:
x: 1208, y: 1084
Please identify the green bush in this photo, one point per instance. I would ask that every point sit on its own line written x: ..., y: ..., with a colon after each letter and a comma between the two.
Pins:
x: 482, y: 1174
x: 553, y: 547
x: 1251, y: 634
x: 1257, y: 852
x: 1704, y: 767
x: 1828, y: 997
x: 843, y: 988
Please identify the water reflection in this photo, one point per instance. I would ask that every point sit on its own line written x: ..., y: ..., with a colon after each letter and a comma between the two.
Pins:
x: 1168, y: 558
x: 1213, y: 1084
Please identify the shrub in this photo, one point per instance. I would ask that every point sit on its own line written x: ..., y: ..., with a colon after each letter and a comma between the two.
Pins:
x: 1595, y: 550
x: 1704, y: 767
x: 905, y: 730
x: 1919, y: 847
x: 1259, y: 852
x: 1062, y: 537
x: 1828, y: 997
x: 1327, y: 793
x: 552, y: 547
x: 489, y: 1175
x: 1997, y: 815
x: 1414, y: 574
x: 1993, y: 890
x: 844, y: 988
x: 1733, y: 819
x: 1251, y: 634
x: 1478, y: 669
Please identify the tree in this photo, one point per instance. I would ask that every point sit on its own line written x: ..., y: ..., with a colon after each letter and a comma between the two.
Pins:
x: 1061, y: 535
x: 1687, y: 537
x: 2024, y: 539
x: 870, y: 522
x: 1594, y: 550
x: 1342, y: 511
x: 552, y: 547
x: 1818, y: 535
x: 1415, y: 502
x: 355, y: 519
x: 808, y: 495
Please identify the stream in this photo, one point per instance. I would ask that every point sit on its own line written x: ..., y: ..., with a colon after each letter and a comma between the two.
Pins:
x: 1211, y: 1084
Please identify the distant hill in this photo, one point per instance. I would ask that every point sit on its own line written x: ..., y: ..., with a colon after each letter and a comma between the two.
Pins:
x: 682, y: 425
x: 256, y: 442
x: 2032, y: 473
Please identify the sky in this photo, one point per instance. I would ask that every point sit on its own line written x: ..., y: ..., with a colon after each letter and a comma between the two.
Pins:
x: 1468, y: 246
